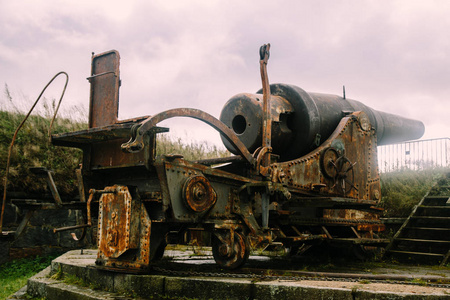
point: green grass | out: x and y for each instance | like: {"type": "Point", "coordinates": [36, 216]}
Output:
{"type": "Point", "coordinates": [191, 150]}
{"type": "Point", "coordinates": [402, 190]}
{"type": "Point", "coordinates": [14, 274]}
{"type": "Point", "coordinates": [32, 147]}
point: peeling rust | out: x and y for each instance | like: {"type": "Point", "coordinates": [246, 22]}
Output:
{"type": "Point", "coordinates": [105, 82]}
{"type": "Point", "coordinates": [305, 170]}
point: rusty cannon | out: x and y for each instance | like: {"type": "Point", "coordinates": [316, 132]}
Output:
{"type": "Point", "coordinates": [301, 121]}
{"type": "Point", "coordinates": [304, 173]}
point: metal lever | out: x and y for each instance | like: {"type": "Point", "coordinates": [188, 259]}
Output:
{"type": "Point", "coordinates": [266, 124]}
{"type": "Point", "coordinates": [266, 131]}
{"type": "Point", "coordinates": [92, 192]}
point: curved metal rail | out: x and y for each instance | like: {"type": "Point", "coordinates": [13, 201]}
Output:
{"type": "Point", "coordinates": [136, 143]}
{"type": "Point", "coordinates": [17, 131]}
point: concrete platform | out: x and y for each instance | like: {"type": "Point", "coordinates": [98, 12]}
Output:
{"type": "Point", "coordinates": [74, 276]}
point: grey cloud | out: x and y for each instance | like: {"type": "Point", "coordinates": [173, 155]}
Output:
{"type": "Point", "coordinates": [392, 56]}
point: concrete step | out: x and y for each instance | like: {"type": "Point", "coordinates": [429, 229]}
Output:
{"type": "Point", "coordinates": [42, 285]}
{"type": "Point", "coordinates": [436, 200]}
{"type": "Point", "coordinates": [74, 276]}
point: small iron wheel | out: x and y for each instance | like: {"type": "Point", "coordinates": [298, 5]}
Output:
{"type": "Point", "coordinates": [231, 256]}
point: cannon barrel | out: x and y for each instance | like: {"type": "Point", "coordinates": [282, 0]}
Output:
{"type": "Point", "coordinates": [301, 121]}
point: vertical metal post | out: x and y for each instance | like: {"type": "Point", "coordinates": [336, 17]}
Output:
{"type": "Point", "coordinates": [447, 160]}
{"type": "Point", "coordinates": [266, 127]}
{"type": "Point", "coordinates": [105, 83]}
{"type": "Point", "coordinates": [267, 124]}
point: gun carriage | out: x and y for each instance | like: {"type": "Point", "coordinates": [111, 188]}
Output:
{"type": "Point", "coordinates": [304, 171]}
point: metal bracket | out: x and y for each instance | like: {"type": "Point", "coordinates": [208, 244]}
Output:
{"type": "Point", "coordinates": [101, 74]}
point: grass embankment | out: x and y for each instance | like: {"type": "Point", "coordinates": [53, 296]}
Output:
{"type": "Point", "coordinates": [402, 190]}
{"type": "Point", "coordinates": [33, 149]}
{"type": "Point", "coordinates": [14, 274]}
{"type": "Point", "coordinates": [191, 150]}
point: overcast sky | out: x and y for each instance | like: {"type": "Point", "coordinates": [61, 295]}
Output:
{"type": "Point", "coordinates": [393, 56]}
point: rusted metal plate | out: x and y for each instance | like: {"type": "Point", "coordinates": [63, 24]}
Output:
{"type": "Point", "coordinates": [98, 134]}
{"type": "Point", "coordinates": [303, 238]}
{"type": "Point", "coordinates": [371, 227]}
{"type": "Point", "coordinates": [349, 214]}
{"type": "Point", "coordinates": [118, 222]}
{"type": "Point", "coordinates": [107, 155]}
{"type": "Point", "coordinates": [345, 165]}
{"type": "Point", "coordinates": [102, 146]}
{"type": "Point", "coordinates": [105, 82]}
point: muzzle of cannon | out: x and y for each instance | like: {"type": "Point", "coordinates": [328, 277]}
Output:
{"type": "Point", "coordinates": [301, 121]}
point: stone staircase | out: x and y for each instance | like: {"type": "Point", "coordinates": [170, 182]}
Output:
{"type": "Point", "coordinates": [425, 234]}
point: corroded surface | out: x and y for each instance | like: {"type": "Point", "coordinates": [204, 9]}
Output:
{"type": "Point", "coordinates": [307, 173]}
